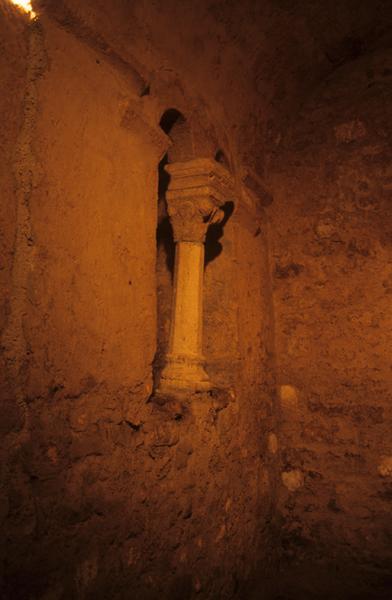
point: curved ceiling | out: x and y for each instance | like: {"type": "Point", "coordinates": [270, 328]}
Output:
{"type": "Point", "coordinates": [252, 62]}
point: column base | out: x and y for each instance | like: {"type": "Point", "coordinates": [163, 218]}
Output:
{"type": "Point", "coordinates": [183, 374]}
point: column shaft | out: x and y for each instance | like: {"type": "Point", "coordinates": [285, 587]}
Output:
{"type": "Point", "coordinates": [187, 313]}
{"type": "Point", "coordinates": [184, 362]}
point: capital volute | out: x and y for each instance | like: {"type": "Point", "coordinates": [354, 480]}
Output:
{"type": "Point", "coordinates": [197, 190]}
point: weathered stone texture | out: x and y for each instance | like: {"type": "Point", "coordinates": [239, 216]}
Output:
{"type": "Point", "coordinates": [283, 470]}
{"type": "Point", "coordinates": [104, 492]}
{"type": "Point", "coordinates": [13, 67]}
{"type": "Point", "coordinates": [331, 251]}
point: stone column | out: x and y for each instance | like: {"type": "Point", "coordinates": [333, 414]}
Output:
{"type": "Point", "coordinates": [196, 190]}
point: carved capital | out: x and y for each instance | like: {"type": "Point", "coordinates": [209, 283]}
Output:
{"type": "Point", "coordinates": [190, 219]}
{"type": "Point", "coordinates": [196, 190]}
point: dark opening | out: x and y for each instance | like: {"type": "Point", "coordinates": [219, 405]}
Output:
{"type": "Point", "coordinates": [169, 118]}
{"type": "Point", "coordinates": [164, 270]}
{"type": "Point", "coordinates": [164, 234]}
{"type": "Point", "coordinates": [177, 128]}
{"type": "Point", "coordinates": [220, 157]}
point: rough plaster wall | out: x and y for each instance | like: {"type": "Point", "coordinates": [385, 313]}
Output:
{"type": "Point", "coordinates": [331, 251]}
{"type": "Point", "coordinates": [105, 494]}
{"type": "Point", "coordinates": [96, 208]}
{"type": "Point", "coordinates": [238, 346]}
{"type": "Point", "coordinates": [13, 77]}
{"type": "Point", "coordinates": [13, 73]}
{"type": "Point", "coordinates": [80, 333]}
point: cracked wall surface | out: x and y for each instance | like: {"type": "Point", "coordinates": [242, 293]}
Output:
{"type": "Point", "coordinates": [331, 250]}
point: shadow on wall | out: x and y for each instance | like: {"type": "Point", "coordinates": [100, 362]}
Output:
{"type": "Point", "coordinates": [213, 247]}
{"type": "Point", "coordinates": [165, 238]}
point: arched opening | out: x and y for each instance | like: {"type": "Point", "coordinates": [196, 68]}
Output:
{"type": "Point", "coordinates": [177, 128]}
{"type": "Point", "coordinates": [169, 119]}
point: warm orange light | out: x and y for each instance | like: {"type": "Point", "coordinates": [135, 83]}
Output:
{"type": "Point", "coordinates": [25, 5]}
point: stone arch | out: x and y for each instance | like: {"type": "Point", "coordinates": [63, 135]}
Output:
{"type": "Point", "coordinates": [192, 135]}
{"type": "Point", "coordinates": [178, 129]}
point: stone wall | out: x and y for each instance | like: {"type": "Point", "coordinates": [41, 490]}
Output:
{"type": "Point", "coordinates": [13, 75]}
{"type": "Point", "coordinates": [331, 262]}
{"type": "Point", "coordinates": [104, 493]}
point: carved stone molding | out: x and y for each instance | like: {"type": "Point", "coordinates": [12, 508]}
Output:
{"type": "Point", "coordinates": [196, 190]}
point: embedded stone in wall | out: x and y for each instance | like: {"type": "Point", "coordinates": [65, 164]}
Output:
{"type": "Point", "coordinates": [350, 131]}
{"type": "Point", "coordinates": [385, 467]}
{"type": "Point", "coordinates": [273, 444]}
{"type": "Point", "coordinates": [293, 480]}
{"type": "Point", "coordinates": [288, 396]}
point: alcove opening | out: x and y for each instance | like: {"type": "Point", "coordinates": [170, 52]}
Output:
{"type": "Point", "coordinates": [175, 126]}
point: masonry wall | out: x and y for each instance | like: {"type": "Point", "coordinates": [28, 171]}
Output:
{"type": "Point", "coordinates": [80, 309]}
{"type": "Point", "coordinates": [13, 75]}
{"type": "Point", "coordinates": [106, 494]}
{"type": "Point", "coordinates": [331, 262]}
